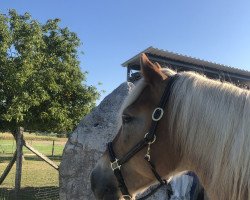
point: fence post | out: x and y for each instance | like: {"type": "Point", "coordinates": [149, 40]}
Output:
{"type": "Point", "coordinates": [19, 147]}
{"type": "Point", "coordinates": [53, 146]}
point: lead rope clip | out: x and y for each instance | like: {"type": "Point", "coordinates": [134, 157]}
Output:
{"type": "Point", "coordinates": [147, 155]}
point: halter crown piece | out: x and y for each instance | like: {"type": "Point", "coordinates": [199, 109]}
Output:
{"type": "Point", "coordinates": [148, 140]}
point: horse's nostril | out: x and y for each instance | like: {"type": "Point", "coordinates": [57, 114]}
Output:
{"type": "Point", "coordinates": [110, 189]}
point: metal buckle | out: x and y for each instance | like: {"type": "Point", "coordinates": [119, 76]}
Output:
{"type": "Point", "coordinates": [161, 114]}
{"type": "Point", "coordinates": [126, 196]}
{"type": "Point", "coordinates": [114, 165]}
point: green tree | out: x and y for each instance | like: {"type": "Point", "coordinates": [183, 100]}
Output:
{"type": "Point", "coordinates": [41, 85]}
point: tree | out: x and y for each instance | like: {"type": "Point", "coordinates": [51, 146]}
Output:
{"type": "Point", "coordinates": [41, 84]}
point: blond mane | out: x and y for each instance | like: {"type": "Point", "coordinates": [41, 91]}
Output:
{"type": "Point", "coordinates": [210, 120]}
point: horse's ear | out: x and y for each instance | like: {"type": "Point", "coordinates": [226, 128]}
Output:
{"type": "Point", "coordinates": [151, 72]}
{"type": "Point", "coordinates": [158, 65]}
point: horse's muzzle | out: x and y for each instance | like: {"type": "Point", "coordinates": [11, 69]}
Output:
{"type": "Point", "coordinates": [104, 185]}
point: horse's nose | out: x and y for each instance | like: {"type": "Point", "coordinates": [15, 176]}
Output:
{"type": "Point", "coordinates": [103, 186]}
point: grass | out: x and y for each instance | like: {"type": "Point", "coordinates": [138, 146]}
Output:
{"type": "Point", "coordinates": [30, 136]}
{"type": "Point", "coordinates": [35, 172]}
{"type": "Point", "coordinates": [8, 145]}
{"type": "Point", "coordinates": [31, 193]}
{"type": "Point", "coordinates": [39, 181]}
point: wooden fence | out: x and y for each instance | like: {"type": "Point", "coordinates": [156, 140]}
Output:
{"type": "Point", "coordinates": [18, 158]}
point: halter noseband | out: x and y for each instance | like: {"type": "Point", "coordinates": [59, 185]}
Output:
{"type": "Point", "coordinates": [148, 140]}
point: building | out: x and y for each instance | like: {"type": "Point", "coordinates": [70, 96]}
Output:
{"type": "Point", "coordinates": [180, 62]}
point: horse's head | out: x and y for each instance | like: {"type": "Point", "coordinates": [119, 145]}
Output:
{"type": "Point", "coordinates": [136, 122]}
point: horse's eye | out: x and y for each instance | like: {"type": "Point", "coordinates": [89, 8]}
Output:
{"type": "Point", "coordinates": [126, 119]}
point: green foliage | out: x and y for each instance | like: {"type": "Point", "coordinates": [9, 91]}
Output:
{"type": "Point", "coordinates": [41, 85]}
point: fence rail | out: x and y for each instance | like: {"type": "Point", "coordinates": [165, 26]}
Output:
{"type": "Point", "coordinates": [20, 169]}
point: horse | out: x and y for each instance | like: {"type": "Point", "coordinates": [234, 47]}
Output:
{"type": "Point", "coordinates": [203, 127]}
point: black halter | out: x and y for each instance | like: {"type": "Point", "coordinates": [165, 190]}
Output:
{"type": "Point", "coordinates": [148, 139]}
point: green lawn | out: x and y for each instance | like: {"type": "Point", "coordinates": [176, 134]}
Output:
{"type": "Point", "coordinates": [39, 181]}
{"type": "Point", "coordinates": [45, 147]}
{"type": "Point", "coordinates": [31, 136]}
{"type": "Point", "coordinates": [41, 143]}
{"type": "Point", "coordinates": [35, 173]}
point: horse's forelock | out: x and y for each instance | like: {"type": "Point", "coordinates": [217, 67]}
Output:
{"type": "Point", "coordinates": [133, 94]}
{"type": "Point", "coordinates": [139, 86]}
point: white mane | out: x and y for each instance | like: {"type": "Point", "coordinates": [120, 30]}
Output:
{"type": "Point", "coordinates": [211, 122]}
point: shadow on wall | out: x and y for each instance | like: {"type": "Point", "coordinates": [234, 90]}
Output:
{"type": "Point", "coordinates": [31, 193]}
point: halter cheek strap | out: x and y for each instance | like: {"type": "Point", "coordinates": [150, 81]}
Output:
{"type": "Point", "coordinates": [116, 167]}
{"type": "Point", "coordinates": [148, 140]}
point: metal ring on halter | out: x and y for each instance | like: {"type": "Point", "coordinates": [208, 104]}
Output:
{"type": "Point", "coordinates": [152, 140]}
{"type": "Point", "coordinates": [126, 196]}
{"type": "Point", "coordinates": [161, 114]}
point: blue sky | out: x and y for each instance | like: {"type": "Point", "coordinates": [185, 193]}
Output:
{"type": "Point", "coordinates": [113, 31]}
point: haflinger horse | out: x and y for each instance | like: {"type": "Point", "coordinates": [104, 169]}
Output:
{"type": "Point", "coordinates": [198, 124]}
